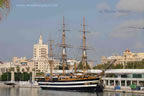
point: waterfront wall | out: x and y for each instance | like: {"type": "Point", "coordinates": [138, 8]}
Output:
{"type": "Point", "coordinates": [21, 84]}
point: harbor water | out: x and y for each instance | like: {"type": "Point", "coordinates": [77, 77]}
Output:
{"type": "Point", "coordinates": [39, 92]}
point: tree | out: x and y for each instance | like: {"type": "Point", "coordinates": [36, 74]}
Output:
{"type": "Point", "coordinates": [25, 76]}
{"type": "Point", "coordinates": [40, 74]}
{"type": "Point", "coordinates": [27, 68]}
{"type": "Point", "coordinates": [4, 8]}
{"type": "Point", "coordinates": [11, 69]}
{"type": "Point", "coordinates": [33, 69]}
{"type": "Point", "coordinates": [18, 76]}
{"type": "Point", "coordinates": [6, 76]}
{"type": "Point", "coordinates": [23, 70]}
{"type": "Point", "coordinates": [18, 68]}
{"type": "Point", "coordinates": [128, 65]}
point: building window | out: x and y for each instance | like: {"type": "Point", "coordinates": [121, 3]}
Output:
{"type": "Point", "coordinates": [137, 76]}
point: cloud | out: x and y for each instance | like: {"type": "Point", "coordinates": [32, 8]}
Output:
{"type": "Point", "coordinates": [103, 6]}
{"type": "Point", "coordinates": [122, 7]}
{"type": "Point", "coordinates": [131, 5]}
{"type": "Point", "coordinates": [94, 34]}
{"type": "Point", "coordinates": [128, 28]}
{"type": "Point", "coordinates": [138, 45]}
{"type": "Point", "coordinates": [106, 8]}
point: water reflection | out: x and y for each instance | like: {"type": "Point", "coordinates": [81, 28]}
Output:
{"type": "Point", "coordinates": [39, 92]}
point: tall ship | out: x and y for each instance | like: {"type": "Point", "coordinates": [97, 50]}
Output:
{"type": "Point", "coordinates": [76, 81]}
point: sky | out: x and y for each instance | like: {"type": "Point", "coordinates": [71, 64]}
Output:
{"type": "Point", "coordinates": [114, 26]}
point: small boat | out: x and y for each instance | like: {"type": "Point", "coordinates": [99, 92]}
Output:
{"type": "Point", "coordinates": [10, 83]}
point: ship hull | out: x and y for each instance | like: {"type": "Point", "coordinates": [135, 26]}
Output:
{"type": "Point", "coordinates": [85, 86]}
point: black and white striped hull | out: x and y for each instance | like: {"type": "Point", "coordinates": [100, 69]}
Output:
{"type": "Point", "coordinates": [86, 85]}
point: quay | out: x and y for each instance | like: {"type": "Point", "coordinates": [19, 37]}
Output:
{"type": "Point", "coordinates": [124, 91]}
{"type": "Point", "coordinates": [21, 84]}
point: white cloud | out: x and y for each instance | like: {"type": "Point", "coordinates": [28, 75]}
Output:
{"type": "Point", "coordinates": [133, 23]}
{"type": "Point", "coordinates": [128, 28]}
{"type": "Point", "coordinates": [106, 8]}
{"type": "Point", "coordinates": [103, 6]}
{"type": "Point", "coordinates": [138, 45]}
{"type": "Point", "coordinates": [122, 7]}
{"type": "Point", "coordinates": [131, 5]}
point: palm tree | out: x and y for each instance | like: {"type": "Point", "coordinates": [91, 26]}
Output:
{"type": "Point", "coordinates": [27, 68]}
{"type": "Point", "coordinates": [4, 3]}
{"type": "Point", "coordinates": [4, 8]}
{"type": "Point", "coordinates": [11, 69]}
{"type": "Point", "coordinates": [18, 68]}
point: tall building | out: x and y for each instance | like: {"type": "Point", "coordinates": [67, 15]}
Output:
{"type": "Point", "coordinates": [127, 56]}
{"type": "Point", "coordinates": [40, 56]}
{"type": "Point", "coordinates": [40, 50]}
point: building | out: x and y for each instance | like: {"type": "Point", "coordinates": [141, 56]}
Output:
{"type": "Point", "coordinates": [122, 77]}
{"type": "Point", "coordinates": [40, 50]}
{"type": "Point", "coordinates": [5, 66]}
{"type": "Point", "coordinates": [127, 56]}
{"type": "Point", "coordinates": [40, 56]}
{"type": "Point", "coordinates": [71, 63]}
{"type": "Point", "coordinates": [21, 64]}
{"type": "Point", "coordinates": [21, 60]}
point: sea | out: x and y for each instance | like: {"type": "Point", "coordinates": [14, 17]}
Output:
{"type": "Point", "coordinates": [40, 92]}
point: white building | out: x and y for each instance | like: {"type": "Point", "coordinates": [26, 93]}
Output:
{"type": "Point", "coordinates": [40, 50]}
{"type": "Point", "coordinates": [22, 64]}
{"type": "Point", "coordinates": [122, 77]}
{"type": "Point", "coordinates": [127, 56]}
{"type": "Point", "coordinates": [40, 56]}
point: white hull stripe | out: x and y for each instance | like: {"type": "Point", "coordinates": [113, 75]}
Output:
{"type": "Point", "coordinates": [74, 86]}
{"type": "Point", "coordinates": [75, 82]}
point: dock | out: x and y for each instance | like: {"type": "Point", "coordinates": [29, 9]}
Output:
{"type": "Point", "coordinates": [124, 91]}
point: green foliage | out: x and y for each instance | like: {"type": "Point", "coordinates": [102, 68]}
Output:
{"type": "Point", "coordinates": [18, 76]}
{"type": "Point", "coordinates": [33, 69]}
{"type": "Point", "coordinates": [27, 68]}
{"type": "Point", "coordinates": [40, 74]}
{"type": "Point", "coordinates": [25, 76]}
{"type": "Point", "coordinates": [11, 69]}
{"type": "Point", "coordinates": [128, 65]}
{"type": "Point", "coordinates": [18, 69]}
{"type": "Point", "coordinates": [135, 65]}
{"type": "Point", "coordinates": [6, 76]}
{"type": "Point", "coordinates": [1, 3]}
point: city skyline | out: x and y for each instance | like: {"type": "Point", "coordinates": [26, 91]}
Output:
{"type": "Point", "coordinates": [115, 25]}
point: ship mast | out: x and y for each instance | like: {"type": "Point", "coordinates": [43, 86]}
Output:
{"type": "Point", "coordinates": [84, 52]}
{"type": "Point", "coordinates": [64, 56]}
{"type": "Point", "coordinates": [51, 57]}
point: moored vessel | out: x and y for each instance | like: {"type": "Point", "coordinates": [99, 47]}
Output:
{"type": "Point", "coordinates": [77, 81]}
